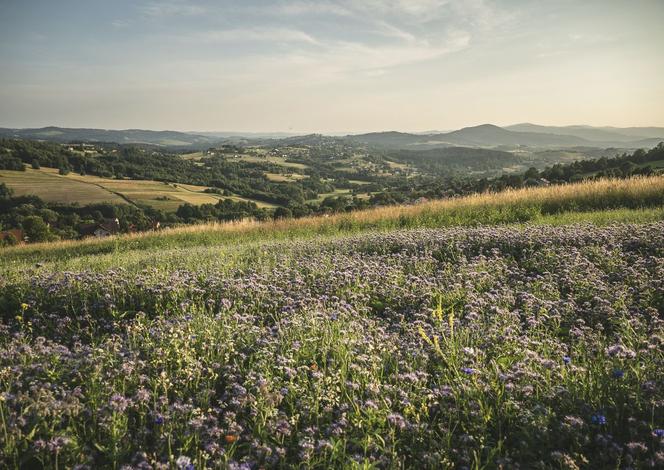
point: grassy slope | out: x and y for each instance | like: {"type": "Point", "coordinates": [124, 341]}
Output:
{"type": "Point", "coordinates": [399, 334]}
{"type": "Point", "coordinates": [74, 188]}
{"type": "Point", "coordinates": [51, 187]}
{"type": "Point", "coordinates": [599, 202]}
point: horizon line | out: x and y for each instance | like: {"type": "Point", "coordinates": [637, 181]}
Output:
{"type": "Point", "coordinates": [328, 132]}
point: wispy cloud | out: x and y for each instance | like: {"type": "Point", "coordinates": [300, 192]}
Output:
{"type": "Point", "coordinates": [120, 23]}
{"type": "Point", "coordinates": [245, 35]}
{"type": "Point", "coordinates": [418, 8]}
{"type": "Point", "coordinates": [175, 8]}
{"type": "Point", "coordinates": [358, 57]}
{"type": "Point", "coordinates": [388, 30]}
{"type": "Point", "coordinates": [299, 7]}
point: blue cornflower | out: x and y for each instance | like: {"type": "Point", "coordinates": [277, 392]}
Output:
{"type": "Point", "coordinates": [618, 373]}
{"type": "Point", "coordinates": [659, 432]}
{"type": "Point", "coordinates": [567, 359]}
{"type": "Point", "coordinates": [598, 419]}
{"type": "Point", "coordinates": [468, 370]}
{"type": "Point", "coordinates": [189, 467]}
{"type": "Point", "coordinates": [159, 420]}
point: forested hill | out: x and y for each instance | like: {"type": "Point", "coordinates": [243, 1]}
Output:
{"type": "Point", "coordinates": [127, 136]}
{"type": "Point", "coordinates": [485, 135]}
{"type": "Point", "coordinates": [451, 159]}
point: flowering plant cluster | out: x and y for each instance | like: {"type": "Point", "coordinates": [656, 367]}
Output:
{"type": "Point", "coordinates": [524, 348]}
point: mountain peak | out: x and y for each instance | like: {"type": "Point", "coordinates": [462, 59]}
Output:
{"type": "Point", "coordinates": [487, 126]}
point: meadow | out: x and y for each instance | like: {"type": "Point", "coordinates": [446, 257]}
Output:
{"type": "Point", "coordinates": [601, 202]}
{"type": "Point", "coordinates": [513, 330]}
{"type": "Point", "coordinates": [50, 186]}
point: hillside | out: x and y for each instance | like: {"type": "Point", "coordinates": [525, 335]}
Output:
{"type": "Point", "coordinates": [464, 160]}
{"type": "Point", "coordinates": [390, 139]}
{"type": "Point", "coordinates": [528, 135]}
{"type": "Point", "coordinates": [491, 135]}
{"type": "Point", "coordinates": [127, 136]}
{"type": "Point", "coordinates": [48, 185]}
{"type": "Point", "coordinates": [595, 134]}
{"type": "Point", "coordinates": [264, 342]}
{"type": "Point", "coordinates": [231, 183]}
{"type": "Point", "coordinates": [639, 199]}
{"type": "Point", "coordinates": [485, 135]}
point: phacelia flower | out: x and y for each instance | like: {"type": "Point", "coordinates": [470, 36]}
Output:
{"type": "Point", "coordinates": [598, 419]}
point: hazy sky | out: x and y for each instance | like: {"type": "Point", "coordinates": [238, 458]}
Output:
{"type": "Point", "coordinates": [330, 65]}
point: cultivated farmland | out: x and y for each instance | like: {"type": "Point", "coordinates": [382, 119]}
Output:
{"type": "Point", "coordinates": [87, 189]}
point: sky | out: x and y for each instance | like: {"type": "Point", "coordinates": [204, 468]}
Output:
{"type": "Point", "coordinates": [330, 65]}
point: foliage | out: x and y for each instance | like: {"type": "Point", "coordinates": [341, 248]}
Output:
{"type": "Point", "coordinates": [602, 201]}
{"type": "Point", "coordinates": [225, 174]}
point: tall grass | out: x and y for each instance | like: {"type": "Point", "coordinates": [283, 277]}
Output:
{"type": "Point", "coordinates": [640, 195]}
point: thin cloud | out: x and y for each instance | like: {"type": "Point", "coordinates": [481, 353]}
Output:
{"type": "Point", "coordinates": [120, 23]}
{"type": "Point", "coordinates": [164, 9]}
{"type": "Point", "coordinates": [362, 57]}
{"type": "Point", "coordinates": [388, 30]}
{"type": "Point", "coordinates": [242, 35]}
{"type": "Point", "coordinates": [295, 8]}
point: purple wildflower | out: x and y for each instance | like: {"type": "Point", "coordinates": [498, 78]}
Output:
{"type": "Point", "coordinates": [598, 418]}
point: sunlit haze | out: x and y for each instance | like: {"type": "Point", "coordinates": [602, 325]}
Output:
{"type": "Point", "coordinates": [330, 66]}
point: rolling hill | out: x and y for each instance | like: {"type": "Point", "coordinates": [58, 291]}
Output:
{"type": "Point", "coordinates": [465, 159]}
{"type": "Point", "coordinates": [485, 135]}
{"type": "Point", "coordinates": [631, 135]}
{"type": "Point", "coordinates": [490, 135]}
{"type": "Point", "coordinates": [530, 135]}
{"type": "Point", "coordinates": [127, 136]}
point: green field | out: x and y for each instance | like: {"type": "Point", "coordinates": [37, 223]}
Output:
{"type": "Point", "coordinates": [602, 202]}
{"type": "Point", "coordinates": [193, 156]}
{"type": "Point", "coordinates": [51, 187]}
{"type": "Point", "coordinates": [654, 164]}
{"type": "Point", "coordinates": [281, 161]}
{"type": "Point", "coordinates": [519, 327]}
{"type": "Point", "coordinates": [284, 178]}
{"type": "Point", "coordinates": [74, 188]}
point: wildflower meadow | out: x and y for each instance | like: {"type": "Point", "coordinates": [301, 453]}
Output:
{"type": "Point", "coordinates": [524, 347]}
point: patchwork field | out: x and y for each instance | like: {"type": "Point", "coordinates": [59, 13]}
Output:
{"type": "Point", "coordinates": [281, 161]}
{"type": "Point", "coordinates": [74, 188]}
{"type": "Point", "coordinates": [52, 187]}
{"type": "Point", "coordinates": [284, 178]}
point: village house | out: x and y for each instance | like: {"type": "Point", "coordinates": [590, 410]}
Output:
{"type": "Point", "coordinates": [106, 228]}
{"type": "Point", "coordinates": [537, 182]}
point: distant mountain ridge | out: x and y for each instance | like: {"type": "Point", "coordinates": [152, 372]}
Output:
{"type": "Point", "coordinates": [126, 136]}
{"type": "Point", "coordinates": [484, 136]}
{"type": "Point", "coordinates": [531, 135]}
{"type": "Point", "coordinates": [488, 134]}
{"type": "Point", "coordinates": [600, 134]}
